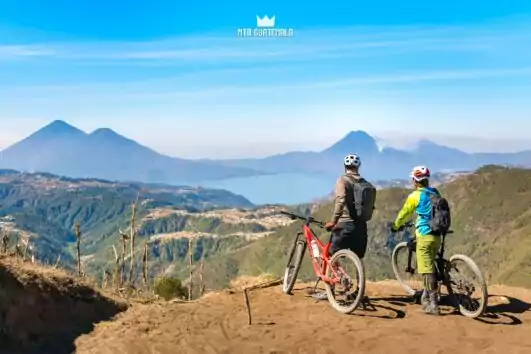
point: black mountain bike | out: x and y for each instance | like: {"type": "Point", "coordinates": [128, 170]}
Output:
{"type": "Point", "coordinates": [450, 273]}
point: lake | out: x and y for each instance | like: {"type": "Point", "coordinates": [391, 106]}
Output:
{"type": "Point", "coordinates": [282, 188]}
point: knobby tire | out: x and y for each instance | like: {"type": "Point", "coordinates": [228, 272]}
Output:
{"type": "Point", "coordinates": [394, 260]}
{"type": "Point", "coordinates": [361, 282]}
{"type": "Point", "coordinates": [482, 284]}
{"type": "Point", "coordinates": [294, 262]}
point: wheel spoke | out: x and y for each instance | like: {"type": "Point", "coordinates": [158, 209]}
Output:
{"type": "Point", "coordinates": [468, 288]}
{"type": "Point", "coordinates": [406, 273]}
{"type": "Point", "coordinates": [349, 281]}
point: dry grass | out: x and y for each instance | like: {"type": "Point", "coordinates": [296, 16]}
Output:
{"type": "Point", "coordinates": [176, 235]}
{"type": "Point", "coordinates": [268, 217]}
{"type": "Point", "coordinates": [246, 281]}
{"type": "Point", "coordinates": [26, 272]}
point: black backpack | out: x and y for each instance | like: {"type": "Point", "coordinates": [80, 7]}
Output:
{"type": "Point", "coordinates": [440, 214]}
{"type": "Point", "coordinates": [364, 194]}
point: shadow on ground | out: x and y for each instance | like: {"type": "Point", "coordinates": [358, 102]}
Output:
{"type": "Point", "coordinates": [374, 307]}
{"type": "Point", "coordinates": [45, 312]}
{"type": "Point", "coordinates": [377, 310]}
{"type": "Point", "coordinates": [504, 311]}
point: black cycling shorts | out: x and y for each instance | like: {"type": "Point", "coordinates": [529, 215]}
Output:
{"type": "Point", "coordinates": [352, 236]}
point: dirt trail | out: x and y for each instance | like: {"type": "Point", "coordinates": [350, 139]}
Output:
{"type": "Point", "coordinates": [299, 324]}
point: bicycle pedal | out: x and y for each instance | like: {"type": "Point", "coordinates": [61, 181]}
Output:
{"type": "Point", "coordinates": [319, 296]}
{"type": "Point", "coordinates": [366, 303]}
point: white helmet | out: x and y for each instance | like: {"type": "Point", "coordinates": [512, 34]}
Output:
{"type": "Point", "coordinates": [352, 160]}
{"type": "Point", "coordinates": [419, 173]}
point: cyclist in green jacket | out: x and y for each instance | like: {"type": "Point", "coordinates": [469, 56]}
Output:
{"type": "Point", "coordinates": [427, 242]}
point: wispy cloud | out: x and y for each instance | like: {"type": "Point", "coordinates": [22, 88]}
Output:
{"type": "Point", "coordinates": [305, 45]}
{"type": "Point", "coordinates": [17, 51]}
{"type": "Point", "coordinates": [195, 86]}
{"type": "Point", "coordinates": [424, 76]}
{"type": "Point", "coordinates": [312, 61]}
{"type": "Point", "coordinates": [354, 82]}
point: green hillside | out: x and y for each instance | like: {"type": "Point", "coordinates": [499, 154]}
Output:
{"type": "Point", "coordinates": [216, 234]}
{"type": "Point", "coordinates": [491, 218]}
{"type": "Point", "coordinates": [45, 208]}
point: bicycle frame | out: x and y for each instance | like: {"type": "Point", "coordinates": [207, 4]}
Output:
{"type": "Point", "coordinates": [320, 267]}
{"type": "Point", "coordinates": [459, 288]}
{"type": "Point", "coordinates": [440, 262]}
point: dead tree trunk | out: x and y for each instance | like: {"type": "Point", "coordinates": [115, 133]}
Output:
{"type": "Point", "coordinates": [25, 252]}
{"type": "Point", "coordinates": [78, 250]}
{"type": "Point", "coordinates": [132, 236]}
{"type": "Point", "coordinates": [116, 274]}
{"type": "Point", "coordinates": [104, 279]}
{"type": "Point", "coordinates": [202, 278]}
{"type": "Point", "coordinates": [26, 247]}
{"type": "Point", "coordinates": [57, 262]}
{"type": "Point", "coordinates": [18, 252]}
{"type": "Point", "coordinates": [144, 265]}
{"type": "Point", "coordinates": [122, 269]}
{"type": "Point", "coordinates": [5, 241]}
{"type": "Point", "coordinates": [190, 255]}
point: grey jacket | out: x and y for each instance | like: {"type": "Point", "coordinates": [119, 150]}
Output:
{"type": "Point", "coordinates": [344, 208]}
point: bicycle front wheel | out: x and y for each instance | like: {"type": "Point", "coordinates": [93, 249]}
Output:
{"type": "Point", "coordinates": [294, 264]}
{"type": "Point", "coordinates": [468, 292]}
{"type": "Point", "coordinates": [345, 267]}
{"type": "Point", "coordinates": [410, 279]}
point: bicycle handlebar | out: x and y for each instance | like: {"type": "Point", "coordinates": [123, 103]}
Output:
{"type": "Point", "coordinates": [408, 224]}
{"type": "Point", "coordinates": [412, 224]}
{"type": "Point", "coordinates": [310, 219]}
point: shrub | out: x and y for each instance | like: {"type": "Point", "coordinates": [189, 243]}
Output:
{"type": "Point", "coordinates": [169, 288]}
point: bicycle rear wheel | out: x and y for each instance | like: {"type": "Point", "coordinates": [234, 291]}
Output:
{"type": "Point", "coordinates": [461, 288]}
{"type": "Point", "coordinates": [346, 282]}
{"type": "Point", "coordinates": [294, 264]}
{"type": "Point", "coordinates": [410, 281]}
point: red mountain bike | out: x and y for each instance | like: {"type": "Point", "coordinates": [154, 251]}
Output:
{"type": "Point", "coordinates": [331, 270]}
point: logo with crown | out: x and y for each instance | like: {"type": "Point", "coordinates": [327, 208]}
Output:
{"type": "Point", "coordinates": [265, 27]}
{"type": "Point", "coordinates": [265, 21]}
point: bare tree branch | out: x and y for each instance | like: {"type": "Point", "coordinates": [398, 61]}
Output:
{"type": "Point", "coordinates": [132, 235]}
{"type": "Point", "coordinates": [57, 262]}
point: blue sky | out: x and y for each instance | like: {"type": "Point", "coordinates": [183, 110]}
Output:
{"type": "Point", "coordinates": [176, 77]}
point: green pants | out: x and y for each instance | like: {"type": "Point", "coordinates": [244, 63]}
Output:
{"type": "Point", "coordinates": [427, 247]}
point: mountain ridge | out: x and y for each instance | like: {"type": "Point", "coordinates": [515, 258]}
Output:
{"type": "Point", "coordinates": [63, 149]}
{"type": "Point", "coordinates": [380, 162]}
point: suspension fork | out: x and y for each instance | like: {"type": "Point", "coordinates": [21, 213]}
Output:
{"type": "Point", "coordinates": [409, 269]}
{"type": "Point", "coordinates": [440, 263]}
